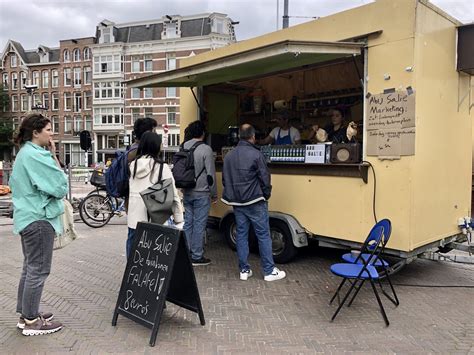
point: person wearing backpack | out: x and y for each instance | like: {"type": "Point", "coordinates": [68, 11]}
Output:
{"type": "Point", "coordinates": [145, 172]}
{"type": "Point", "coordinates": [200, 192]}
{"type": "Point", "coordinates": [141, 126]}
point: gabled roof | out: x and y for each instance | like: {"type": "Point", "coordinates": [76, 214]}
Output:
{"type": "Point", "coordinates": [30, 56]}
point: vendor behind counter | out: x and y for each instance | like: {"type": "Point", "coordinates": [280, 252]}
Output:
{"type": "Point", "coordinates": [283, 133]}
{"type": "Point", "coordinates": [337, 131]}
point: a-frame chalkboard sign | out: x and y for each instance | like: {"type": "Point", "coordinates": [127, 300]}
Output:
{"type": "Point", "coordinates": [158, 269]}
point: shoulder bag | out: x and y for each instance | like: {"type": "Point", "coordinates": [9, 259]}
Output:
{"type": "Point", "coordinates": [159, 198]}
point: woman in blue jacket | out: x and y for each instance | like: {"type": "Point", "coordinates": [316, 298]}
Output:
{"type": "Point", "coordinates": [38, 187]}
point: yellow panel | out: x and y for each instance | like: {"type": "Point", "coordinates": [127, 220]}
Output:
{"type": "Point", "coordinates": [442, 173]}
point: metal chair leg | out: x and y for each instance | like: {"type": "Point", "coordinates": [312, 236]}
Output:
{"type": "Point", "coordinates": [337, 291]}
{"type": "Point", "coordinates": [382, 310]}
{"type": "Point", "coordinates": [395, 301]}
{"type": "Point", "coordinates": [343, 301]}
{"type": "Point", "coordinates": [356, 292]}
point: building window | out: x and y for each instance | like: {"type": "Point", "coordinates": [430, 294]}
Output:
{"type": "Point", "coordinates": [88, 124]}
{"type": "Point", "coordinates": [135, 114]}
{"type": "Point", "coordinates": [135, 93]}
{"type": "Point", "coordinates": [77, 101]}
{"type": "Point", "coordinates": [149, 112]}
{"type": "Point", "coordinates": [135, 63]}
{"type": "Point", "coordinates": [23, 77]}
{"type": "Point", "coordinates": [108, 116]}
{"type": "Point", "coordinates": [76, 55]}
{"type": "Point", "coordinates": [148, 93]}
{"type": "Point", "coordinates": [14, 81]}
{"type": "Point", "coordinates": [36, 100]}
{"type": "Point", "coordinates": [55, 123]}
{"type": "Point", "coordinates": [55, 78]}
{"type": "Point", "coordinates": [67, 125]}
{"type": "Point", "coordinates": [87, 100]}
{"type": "Point", "coordinates": [170, 62]}
{"type": "Point", "coordinates": [24, 103]}
{"type": "Point", "coordinates": [66, 55]}
{"type": "Point", "coordinates": [87, 53]}
{"type": "Point", "coordinates": [87, 75]}
{"type": "Point", "coordinates": [14, 103]}
{"type": "Point", "coordinates": [173, 140]}
{"type": "Point", "coordinates": [77, 125]}
{"type": "Point", "coordinates": [171, 29]}
{"type": "Point", "coordinates": [148, 63]}
{"type": "Point", "coordinates": [171, 115]}
{"type": "Point", "coordinates": [107, 64]}
{"type": "Point", "coordinates": [67, 101]}
{"type": "Point", "coordinates": [171, 92]}
{"type": "Point", "coordinates": [108, 90]}
{"type": "Point", "coordinates": [13, 61]}
{"type": "Point", "coordinates": [67, 77]}
{"type": "Point", "coordinates": [77, 77]}
{"type": "Point", "coordinates": [106, 35]}
{"type": "Point", "coordinates": [55, 101]}
{"type": "Point", "coordinates": [5, 80]}
{"type": "Point", "coordinates": [46, 100]}
{"type": "Point", "coordinates": [36, 76]}
{"type": "Point", "coordinates": [45, 78]}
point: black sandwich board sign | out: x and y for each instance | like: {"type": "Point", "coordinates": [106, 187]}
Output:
{"type": "Point", "coordinates": [158, 269]}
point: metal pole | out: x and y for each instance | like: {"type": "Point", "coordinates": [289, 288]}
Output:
{"type": "Point", "coordinates": [278, 14]}
{"type": "Point", "coordinates": [285, 14]}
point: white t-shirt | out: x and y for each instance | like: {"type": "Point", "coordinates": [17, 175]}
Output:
{"type": "Point", "coordinates": [294, 134]}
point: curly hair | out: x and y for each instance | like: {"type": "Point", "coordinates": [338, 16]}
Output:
{"type": "Point", "coordinates": [32, 122]}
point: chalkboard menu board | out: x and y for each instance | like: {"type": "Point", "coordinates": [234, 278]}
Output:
{"type": "Point", "coordinates": [158, 269]}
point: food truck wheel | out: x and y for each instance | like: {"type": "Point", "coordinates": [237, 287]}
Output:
{"type": "Point", "coordinates": [282, 242]}
{"type": "Point", "coordinates": [231, 235]}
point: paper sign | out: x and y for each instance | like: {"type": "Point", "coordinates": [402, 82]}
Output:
{"type": "Point", "coordinates": [390, 111]}
{"type": "Point", "coordinates": [391, 142]}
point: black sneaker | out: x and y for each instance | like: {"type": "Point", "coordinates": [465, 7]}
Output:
{"type": "Point", "coordinates": [202, 261]}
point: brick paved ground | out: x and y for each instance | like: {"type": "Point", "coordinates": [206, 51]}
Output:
{"type": "Point", "coordinates": [289, 316]}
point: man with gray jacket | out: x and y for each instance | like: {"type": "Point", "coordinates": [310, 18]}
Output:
{"type": "Point", "coordinates": [197, 200]}
{"type": "Point", "coordinates": [247, 188]}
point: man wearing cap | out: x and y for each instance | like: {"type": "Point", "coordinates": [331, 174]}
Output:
{"type": "Point", "coordinates": [283, 134]}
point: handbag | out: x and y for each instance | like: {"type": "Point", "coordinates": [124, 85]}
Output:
{"type": "Point", "coordinates": [159, 198]}
{"type": "Point", "coordinates": [69, 232]}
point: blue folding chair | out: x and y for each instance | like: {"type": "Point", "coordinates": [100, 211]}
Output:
{"type": "Point", "coordinates": [378, 263]}
{"type": "Point", "coordinates": [360, 272]}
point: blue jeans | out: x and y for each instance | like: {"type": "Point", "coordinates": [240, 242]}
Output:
{"type": "Point", "coordinates": [196, 210]}
{"type": "Point", "coordinates": [37, 243]}
{"type": "Point", "coordinates": [131, 235]}
{"type": "Point", "coordinates": [257, 215]}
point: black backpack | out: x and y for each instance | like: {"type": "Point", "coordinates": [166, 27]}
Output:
{"type": "Point", "coordinates": [183, 170]}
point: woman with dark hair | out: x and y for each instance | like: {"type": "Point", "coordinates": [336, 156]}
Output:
{"type": "Point", "coordinates": [337, 131]}
{"type": "Point", "coordinates": [38, 187]}
{"type": "Point", "coordinates": [144, 172]}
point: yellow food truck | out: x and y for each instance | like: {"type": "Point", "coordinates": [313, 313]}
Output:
{"type": "Point", "coordinates": [399, 71]}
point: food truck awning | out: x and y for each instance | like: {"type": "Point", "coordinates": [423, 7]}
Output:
{"type": "Point", "coordinates": [272, 58]}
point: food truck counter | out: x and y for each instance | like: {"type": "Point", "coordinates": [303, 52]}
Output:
{"type": "Point", "coordinates": [311, 159]}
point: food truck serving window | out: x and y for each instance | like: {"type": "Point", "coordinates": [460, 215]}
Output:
{"type": "Point", "coordinates": [310, 82]}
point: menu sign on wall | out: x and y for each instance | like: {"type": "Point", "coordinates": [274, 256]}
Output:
{"type": "Point", "coordinates": [391, 124]}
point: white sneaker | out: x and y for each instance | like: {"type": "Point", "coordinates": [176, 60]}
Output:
{"type": "Point", "coordinates": [275, 275]}
{"type": "Point", "coordinates": [245, 275]}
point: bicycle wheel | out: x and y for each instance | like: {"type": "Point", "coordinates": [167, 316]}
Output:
{"type": "Point", "coordinates": [96, 210]}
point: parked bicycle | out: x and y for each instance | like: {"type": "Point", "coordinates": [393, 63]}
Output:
{"type": "Point", "coordinates": [98, 207]}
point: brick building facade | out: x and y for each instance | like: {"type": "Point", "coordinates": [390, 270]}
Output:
{"type": "Point", "coordinates": [80, 85]}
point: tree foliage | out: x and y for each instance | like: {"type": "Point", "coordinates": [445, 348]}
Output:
{"type": "Point", "coordinates": [6, 124]}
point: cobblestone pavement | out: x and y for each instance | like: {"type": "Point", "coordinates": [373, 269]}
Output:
{"type": "Point", "coordinates": [288, 316]}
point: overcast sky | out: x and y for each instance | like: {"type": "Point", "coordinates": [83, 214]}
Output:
{"type": "Point", "coordinates": [34, 22]}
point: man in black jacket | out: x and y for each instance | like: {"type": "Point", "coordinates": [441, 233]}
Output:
{"type": "Point", "coordinates": [247, 188]}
